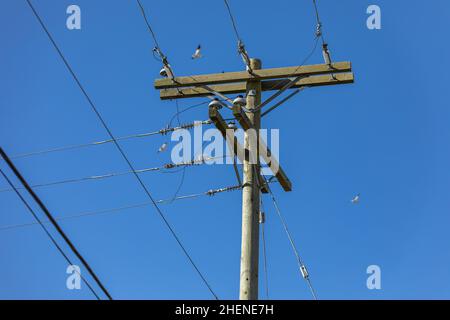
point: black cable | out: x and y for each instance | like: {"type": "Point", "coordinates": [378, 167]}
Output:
{"type": "Point", "coordinates": [122, 208]}
{"type": "Point", "coordinates": [319, 23]}
{"type": "Point", "coordinates": [52, 220]}
{"type": "Point", "coordinates": [233, 22]}
{"type": "Point", "coordinates": [157, 52]}
{"type": "Point", "coordinates": [58, 247]}
{"type": "Point", "coordinates": [147, 23]}
{"type": "Point", "coordinates": [263, 237]}
{"type": "Point", "coordinates": [163, 131]}
{"type": "Point", "coordinates": [46, 231]}
{"type": "Point", "coordinates": [301, 265]}
{"type": "Point", "coordinates": [119, 148]}
{"type": "Point", "coordinates": [183, 174]}
{"type": "Point", "coordinates": [305, 60]}
{"type": "Point", "coordinates": [184, 110]}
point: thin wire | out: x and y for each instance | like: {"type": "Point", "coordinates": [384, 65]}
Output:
{"type": "Point", "coordinates": [53, 221]}
{"type": "Point", "coordinates": [288, 85]}
{"type": "Point", "coordinates": [214, 94]}
{"type": "Point", "coordinates": [169, 166]}
{"type": "Point", "coordinates": [305, 60]}
{"type": "Point", "coordinates": [183, 174]}
{"type": "Point", "coordinates": [233, 22]}
{"type": "Point", "coordinates": [282, 101]}
{"type": "Point", "coordinates": [319, 32]}
{"type": "Point", "coordinates": [186, 109]}
{"type": "Point", "coordinates": [241, 46]}
{"type": "Point", "coordinates": [157, 52]}
{"type": "Point", "coordinates": [266, 276]}
{"type": "Point", "coordinates": [77, 180]}
{"type": "Point", "coordinates": [122, 152]}
{"type": "Point", "coordinates": [123, 208]}
{"type": "Point", "coordinates": [285, 87]}
{"type": "Point", "coordinates": [261, 213]}
{"type": "Point", "coordinates": [148, 23]}
{"type": "Point", "coordinates": [58, 247]}
{"type": "Point", "coordinates": [236, 171]}
{"type": "Point", "coordinates": [97, 143]}
{"type": "Point", "coordinates": [78, 215]}
{"type": "Point", "coordinates": [291, 240]}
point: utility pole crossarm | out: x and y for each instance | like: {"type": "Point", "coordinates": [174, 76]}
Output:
{"type": "Point", "coordinates": [268, 85]}
{"type": "Point", "coordinates": [243, 76]}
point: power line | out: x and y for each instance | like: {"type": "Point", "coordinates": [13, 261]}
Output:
{"type": "Point", "coordinates": [121, 151]}
{"type": "Point", "coordinates": [77, 180]}
{"type": "Point", "coordinates": [262, 222]}
{"type": "Point", "coordinates": [305, 60]}
{"type": "Point", "coordinates": [163, 131]}
{"type": "Point", "coordinates": [291, 82]}
{"type": "Point", "coordinates": [58, 247]}
{"type": "Point", "coordinates": [52, 220]}
{"type": "Point", "coordinates": [186, 109]}
{"type": "Point", "coordinates": [319, 32]}
{"type": "Point", "coordinates": [157, 49]}
{"type": "Point", "coordinates": [241, 47]}
{"type": "Point", "coordinates": [233, 22]}
{"type": "Point", "coordinates": [301, 265]}
{"type": "Point", "coordinates": [183, 174]}
{"type": "Point", "coordinates": [167, 166]}
{"type": "Point", "coordinates": [211, 192]}
{"type": "Point", "coordinates": [148, 24]}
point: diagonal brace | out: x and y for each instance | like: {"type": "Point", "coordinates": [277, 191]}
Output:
{"type": "Point", "coordinates": [270, 160]}
{"type": "Point", "coordinates": [238, 150]}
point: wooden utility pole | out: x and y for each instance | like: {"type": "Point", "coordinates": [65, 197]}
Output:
{"type": "Point", "coordinates": [252, 84]}
{"type": "Point", "coordinates": [250, 197]}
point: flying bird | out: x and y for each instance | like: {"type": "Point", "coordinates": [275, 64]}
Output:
{"type": "Point", "coordinates": [162, 148]}
{"type": "Point", "coordinates": [197, 54]}
{"type": "Point", "coordinates": [355, 200]}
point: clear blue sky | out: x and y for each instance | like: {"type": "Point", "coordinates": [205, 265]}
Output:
{"type": "Point", "coordinates": [386, 137]}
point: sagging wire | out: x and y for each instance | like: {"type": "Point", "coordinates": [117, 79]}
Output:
{"type": "Point", "coordinates": [183, 174]}
{"type": "Point", "coordinates": [184, 110]}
